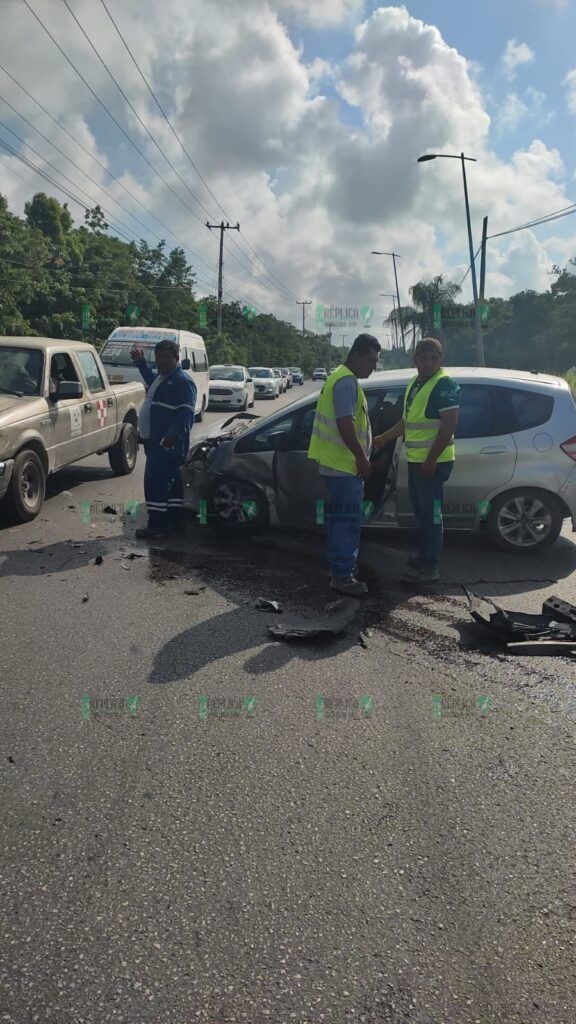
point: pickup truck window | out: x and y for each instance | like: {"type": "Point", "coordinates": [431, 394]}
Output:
{"type": "Point", "coordinates": [20, 370]}
{"type": "Point", "coordinates": [61, 368]}
{"type": "Point", "coordinates": [90, 369]}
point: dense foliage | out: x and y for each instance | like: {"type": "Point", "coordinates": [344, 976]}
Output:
{"type": "Point", "coordinates": [50, 269]}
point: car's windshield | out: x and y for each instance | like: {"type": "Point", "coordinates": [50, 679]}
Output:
{"type": "Point", "coordinates": [117, 353]}
{"type": "Point", "coordinates": [260, 371]}
{"type": "Point", "coordinates": [20, 370]}
{"type": "Point", "coordinates": [226, 373]}
{"type": "Point", "coordinates": [295, 369]}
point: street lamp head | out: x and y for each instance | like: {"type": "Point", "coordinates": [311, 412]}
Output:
{"type": "Point", "coordinates": [427, 156]}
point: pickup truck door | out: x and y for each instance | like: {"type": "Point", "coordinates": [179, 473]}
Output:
{"type": "Point", "coordinates": [99, 406]}
{"type": "Point", "coordinates": [64, 424]}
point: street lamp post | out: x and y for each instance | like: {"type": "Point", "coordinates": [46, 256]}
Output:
{"type": "Point", "coordinates": [395, 257]}
{"type": "Point", "coordinates": [462, 158]}
{"type": "Point", "coordinates": [329, 326]}
{"type": "Point", "coordinates": [390, 295]}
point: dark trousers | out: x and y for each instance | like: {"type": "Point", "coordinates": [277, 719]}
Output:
{"type": "Point", "coordinates": [163, 490]}
{"type": "Point", "coordinates": [427, 496]}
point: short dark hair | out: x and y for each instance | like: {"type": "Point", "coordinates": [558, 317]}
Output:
{"type": "Point", "coordinates": [363, 343]}
{"type": "Point", "coordinates": [426, 343]}
{"type": "Point", "coordinates": [168, 346]}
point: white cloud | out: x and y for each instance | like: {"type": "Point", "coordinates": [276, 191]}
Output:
{"type": "Point", "coordinates": [514, 110]}
{"type": "Point", "coordinates": [319, 12]}
{"type": "Point", "coordinates": [514, 56]}
{"type": "Point", "coordinates": [570, 83]}
{"type": "Point", "coordinates": [315, 182]}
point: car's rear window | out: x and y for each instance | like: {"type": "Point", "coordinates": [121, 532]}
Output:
{"type": "Point", "coordinates": [527, 409]}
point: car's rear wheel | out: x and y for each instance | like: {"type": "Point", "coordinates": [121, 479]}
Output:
{"type": "Point", "coordinates": [124, 454]}
{"type": "Point", "coordinates": [525, 521]}
{"type": "Point", "coordinates": [25, 496]}
{"type": "Point", "coordinates": [235, 505]}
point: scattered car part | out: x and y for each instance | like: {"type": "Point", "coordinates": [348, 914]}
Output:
{"type": "Point", "coordinates": [98, 560]}
{"type": "Point", "coordinates": [334, 622]}
{"type": "Point", "coordinates": [264, 605]}
{"type": "Point", "coordinates": [523, 631]}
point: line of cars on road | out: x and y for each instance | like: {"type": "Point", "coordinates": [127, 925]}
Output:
{"type": "Point", "coordinates": [236, 387]}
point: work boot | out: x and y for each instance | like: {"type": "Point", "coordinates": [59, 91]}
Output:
{"type": "Point", "coordinates": [421, 574]}
{"type": "Point", "coordinates": [349, 586]}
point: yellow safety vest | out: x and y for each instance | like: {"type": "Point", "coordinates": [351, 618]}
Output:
{"type": "Point", "coordinates": [420, 432]}
{"type": "Point", "coordinates": [326, 445]}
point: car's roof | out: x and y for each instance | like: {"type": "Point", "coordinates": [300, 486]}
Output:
{"type": "Point", "coordinates": [471, 375]}
{"type": "Point", "coordinates": [44, 343]}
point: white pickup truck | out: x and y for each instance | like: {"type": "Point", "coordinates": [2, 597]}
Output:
{"type": "Point", "coordinates": [57, 406]}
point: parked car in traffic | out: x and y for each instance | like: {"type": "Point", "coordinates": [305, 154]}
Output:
{"type": "Point", "coordinates": [297, 375]}
{"type": "Point", "coordinates": [230, 387]}
{"type": "Point", "coordinates": [514, 476]}
{"type": "Point", "coordinates": [115, 355]}
{"type": "Point", "coordinates": [282, 380]}
{"type": "Point", "coordinates": [266, 383]}
{"type": "Point", "coordinates": [57, 406]}
{"type": "Point", "coordinates": [320, 373]}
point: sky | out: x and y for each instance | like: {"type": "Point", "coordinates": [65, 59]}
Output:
{"type": "Point", "coordinates": [303, 120]}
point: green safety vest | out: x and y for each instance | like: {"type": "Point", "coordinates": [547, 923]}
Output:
{"type": "Point", "coordinates": [326, 445]}
{"type": "Point", "coordinates": [419, 431]}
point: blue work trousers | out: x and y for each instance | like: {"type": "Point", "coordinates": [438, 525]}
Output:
{"type": "Point", "coordinates": [427, 497]}
{"type": "Point", "coordinates": [343, 518]}
{"type": "Point", "coordinates": [163, 490]}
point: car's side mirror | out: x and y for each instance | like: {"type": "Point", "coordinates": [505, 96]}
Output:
{"type": "Point", "coordinates": [185, 364]}
{"type": "Point", "coordinates": [250, 380]}
{"type": "Point", "coordinates": [69, 389]}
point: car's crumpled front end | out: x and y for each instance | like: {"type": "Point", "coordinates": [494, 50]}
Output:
{"type": "Point", "coordinates": [208, 452]}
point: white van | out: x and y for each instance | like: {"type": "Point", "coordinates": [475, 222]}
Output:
{"type": "Point", "coordinates": [115, 355]}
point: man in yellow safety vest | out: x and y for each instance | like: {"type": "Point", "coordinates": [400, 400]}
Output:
{"type": "Point", "coordinates": [340, 443]}
{"type": "Point", "coordinates": [431, 406]}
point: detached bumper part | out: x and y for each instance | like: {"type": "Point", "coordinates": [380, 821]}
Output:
{"type": "Point", "coordinates": [553, 631]}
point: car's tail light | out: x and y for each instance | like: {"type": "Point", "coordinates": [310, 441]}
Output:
{"type": "Point", "coordinates": [569, 447]}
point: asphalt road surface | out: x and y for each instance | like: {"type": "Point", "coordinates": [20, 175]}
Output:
{"type": "Point", "coordinates": [233, 848]}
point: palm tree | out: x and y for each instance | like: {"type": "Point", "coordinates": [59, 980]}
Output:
{"type": "Point", "coordinates": [426, 295]}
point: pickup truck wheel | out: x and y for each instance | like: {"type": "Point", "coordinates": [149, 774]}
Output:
{"type": "Point", "coordinates": [123, 455]}
{"type": "Point", "coordinates": [25, 495]}
{"type": "Point", "coordinates": [200, 416]}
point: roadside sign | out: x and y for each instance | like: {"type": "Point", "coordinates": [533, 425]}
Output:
{"type": "Point", "coordinates": [133, 312]}
{"type": "Point", "coordinates": [202, 315]}
{"type": "Point", "coordinates": [85, 317]}
{"type": "Point", "coordinates": [460, 314]}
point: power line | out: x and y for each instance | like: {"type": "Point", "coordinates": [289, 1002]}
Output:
{"type": "Point", "coordinates": [566, 211]}
{"type": "Point", "coordinates": [105, 169]}
{"type": "Point", "coordinates": [270, 274]}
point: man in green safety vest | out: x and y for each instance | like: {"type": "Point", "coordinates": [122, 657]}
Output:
{"type": "Point", "coordinates": [340, 443]}
{"type": "Point", "coordinates": [431, 406]}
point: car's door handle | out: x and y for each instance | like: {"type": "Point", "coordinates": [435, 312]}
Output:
{"type": "Point", "coordinates": [88, 407]}
{"type": "Point", "coordinates": [493, 451]}
{"type": "Point", "coordinates": [110, 401]}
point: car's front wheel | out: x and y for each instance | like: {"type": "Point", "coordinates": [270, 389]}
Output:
{"type": "Point", "coordinates": [237, 505]}
{"type": "Point", "coordinates": [525, 521]}
{"type": "Point", "coordinates": [25, 495]}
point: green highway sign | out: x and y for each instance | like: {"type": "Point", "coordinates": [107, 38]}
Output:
{"type": "Point", "coordinates": [202, 315]}
{"type": "Point", "coordinates": [133, 312]}
{"type": "Point", "coordinates": [85, 317]}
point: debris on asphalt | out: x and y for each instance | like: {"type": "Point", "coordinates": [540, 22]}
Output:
{"type": "Point", "coordinates": [198, 590]}
{"type": "Point", "coordinates": [111, 511]}
{"type": "Point", "coordinates": [338, 616]}
{"type": "Point", "coordinates": [71, 506]}
{"type": "Point", "coordinates": [552, 631]}
{"type": "Point", "coordinates": [362, 641]}
{"type": "Point", "coordinates": [85, 598]}
{"type": "Point", "coordinates": [123, 566]}
{"type": "Point", "coordinates": [264, 605]}
{"type": "Point", "coordinates": [135, 554]}
{"type": "Point", "coordinates": [98, 560]}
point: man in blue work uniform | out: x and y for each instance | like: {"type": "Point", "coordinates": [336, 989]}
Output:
{"type": "Point", "coordinates": [166, 419]}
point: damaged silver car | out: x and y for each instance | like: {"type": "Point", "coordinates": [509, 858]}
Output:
{"type": "Point", "coordinates": [514, 478]}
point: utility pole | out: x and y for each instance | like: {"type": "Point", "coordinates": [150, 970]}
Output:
{"type": "Point", "coordinates": [329, 326]}
{"type": "Point", "coordinates": [222, 227]}
{"type": "Point", "coordinates": [343, 336]}
{"type": "Point", "coordinates": [304, 303]}
{"type": "Point", "coordinates": [483, 259]}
